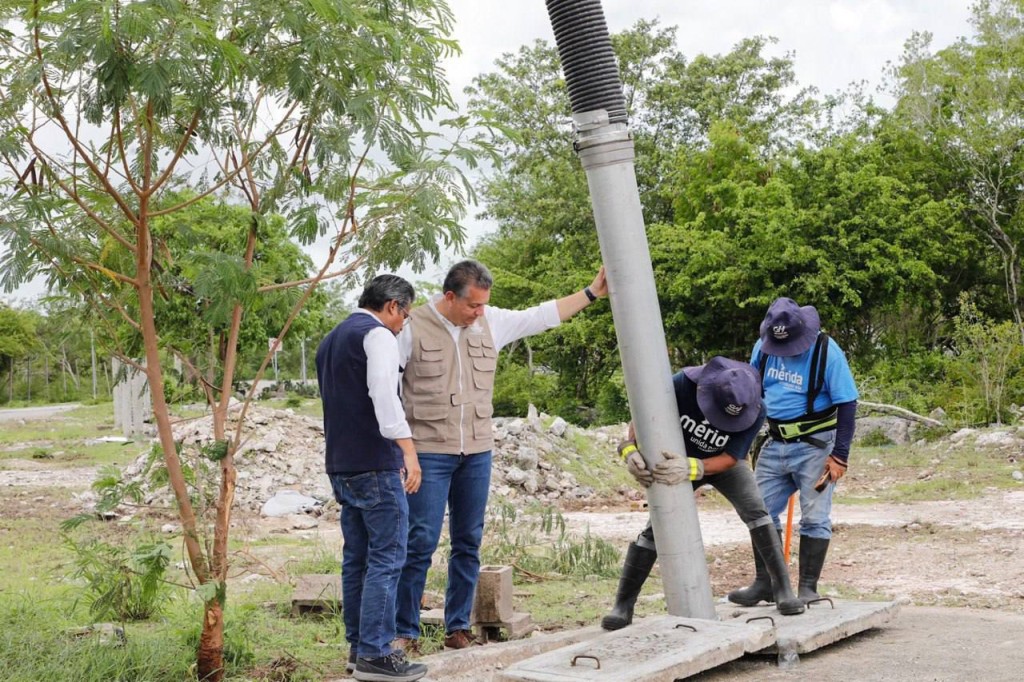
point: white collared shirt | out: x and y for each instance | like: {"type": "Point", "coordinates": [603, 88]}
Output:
{"type": "Point", "coordinates": [383, 381]}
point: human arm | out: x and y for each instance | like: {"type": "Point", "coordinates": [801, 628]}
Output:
{"type": "Point", "coordinates": [412, 475]}
{"type": "Point", "coordinates": [716, 464]}
{"type": "Point", "coordinates": [573, 303]}
{"type": "Point", "coordinates": [838, 461]}
{"type": "Point", "coordinates": [382, 380]}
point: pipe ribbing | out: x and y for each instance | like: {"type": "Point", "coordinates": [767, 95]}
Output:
{"type": "Point", "coordinates": [585, 48]}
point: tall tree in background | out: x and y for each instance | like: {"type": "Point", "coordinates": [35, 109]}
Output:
{"type": "Point", "coordinates": [118, 118]}
{"type": "Point", "coordinates": [538, 194]}
{"type": "Point", "coordinates": [965, 101]}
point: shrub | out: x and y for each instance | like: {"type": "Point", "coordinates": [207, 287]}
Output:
{"type": "Point", "coordinates": [122, 584]}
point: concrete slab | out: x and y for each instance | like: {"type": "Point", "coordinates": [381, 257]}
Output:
{"type": "Point", "coordinates": [658, 649]}
{"type": "Point", "coordinates": [477, 663]}
{"type": "Point", "coordinates": [316, 593]}
{"type": "Point", "coordinates": [820, 625]}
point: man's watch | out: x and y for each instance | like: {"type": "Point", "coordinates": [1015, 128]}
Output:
{"type": "Point", "coordinates": [590, 294]}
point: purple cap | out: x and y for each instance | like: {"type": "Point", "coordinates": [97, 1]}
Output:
{"type": "Point", "coordinates": [789, 329]}
{"type": "Point", "coordinates": [728, 393]}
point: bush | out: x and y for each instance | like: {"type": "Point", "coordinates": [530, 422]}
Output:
{"type": "Point", "coordinates": [515, 388]}
{"type": "Point", "coordinates": [122, 584]}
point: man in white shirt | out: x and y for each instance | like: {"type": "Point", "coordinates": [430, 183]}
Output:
{"type": "Point", "coordinates": [449, 352]}
{"type": "Point", "coordinates": [372, 465]}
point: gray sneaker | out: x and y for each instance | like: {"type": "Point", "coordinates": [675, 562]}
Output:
{"type": "Point", "coordinates": [391, 668]}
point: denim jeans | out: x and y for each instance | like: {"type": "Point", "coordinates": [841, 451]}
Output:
{"type": "Point", "coordinates": [786, 468]}
{"type": "Point", "coordinates": [460, 483]}
{"type": "Point", "coordinates": [737, 485]}
{"type": "Point", "coordinates": [375, 526]}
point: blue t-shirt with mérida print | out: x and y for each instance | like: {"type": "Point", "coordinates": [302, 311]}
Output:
{"type": "Point", "coordinates": [786, 382]}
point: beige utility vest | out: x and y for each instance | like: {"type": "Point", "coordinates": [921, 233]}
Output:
{"type": "Point", "coordinates": [448, 389]}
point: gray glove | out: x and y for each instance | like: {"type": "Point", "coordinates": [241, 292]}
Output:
{"type": "Point", "coordinates": [675, 469]}
{"type": "Point", "coordinates": [635, 464]}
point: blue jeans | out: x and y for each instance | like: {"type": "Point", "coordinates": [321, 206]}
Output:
{"type": "Point", "coordinates": [786, 468]}
{"type": "Point", "coordinates": [375, 526]}
{"type": "Point", "coordinates": [460, 483]}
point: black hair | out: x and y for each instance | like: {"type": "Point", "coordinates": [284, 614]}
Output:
{"type": "Point", "coordinates": [465, 274]}
{"type": "Point", "coordinates": [384, 288]}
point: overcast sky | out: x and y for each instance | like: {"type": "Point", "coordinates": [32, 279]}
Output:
{"type": "Point", "coordinates": [833, 42]}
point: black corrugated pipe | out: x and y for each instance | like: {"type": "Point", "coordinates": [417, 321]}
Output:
{"type": "Point", "coordinates": [606, 152]}
{"type": "Point", "coordinates": [588, 61]}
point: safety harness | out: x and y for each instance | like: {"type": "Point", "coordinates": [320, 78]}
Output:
{"type": "Point", "coordinates": [801, 428]}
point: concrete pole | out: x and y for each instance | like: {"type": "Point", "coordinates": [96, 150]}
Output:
{"type": "Point", "coordinates": [606, 151]}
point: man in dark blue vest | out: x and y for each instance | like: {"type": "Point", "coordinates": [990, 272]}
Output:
{"type": "Point", "coordinates": [372, 465]}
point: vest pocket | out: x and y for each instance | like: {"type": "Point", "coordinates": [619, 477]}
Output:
{"type": "Point", "coordinates": [428, 423]}
{"type": "Point", "coordinates": [483, 372]}
{"type": "Point", "coordinates": [429, 376]}
{"type": "Point", "coordinates": [482, 421]}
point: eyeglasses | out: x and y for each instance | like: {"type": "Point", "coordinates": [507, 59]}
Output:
{"type": "Point", "coordinates": [404, 310]}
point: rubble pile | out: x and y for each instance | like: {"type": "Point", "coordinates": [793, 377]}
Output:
{"type": "Point", "coordinates": [284, 451]}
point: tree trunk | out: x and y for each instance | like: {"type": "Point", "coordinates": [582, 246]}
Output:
{"type": "Point", "coordinates": [210, 657]}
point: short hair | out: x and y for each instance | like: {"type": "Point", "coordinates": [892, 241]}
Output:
{"type": "Point", "coordinates": [465, 274]}
{"type": "Point", "coordinates": [384, 288]}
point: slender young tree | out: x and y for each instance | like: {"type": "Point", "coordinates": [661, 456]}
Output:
{"type": "Point", "coordinates": [965, 101]}
{"type": "Point", "coordinates": [116, 116]}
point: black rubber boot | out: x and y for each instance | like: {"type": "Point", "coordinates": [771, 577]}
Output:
{"type": "Point", "coordinates": [812, 558]}
{"type": "Point", "coordinates": [636, 568]}
{"type": "Point", "coordinates": [761, 589]}
{"type": "Point", "coordinates": [768, 544]}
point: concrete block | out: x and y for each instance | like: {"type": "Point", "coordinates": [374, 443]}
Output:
{"type": "Point", "coordinates": [493, 601]}
{"type": "Point", "coordinates": [823, 622]}
{"type": "Point", "coordinates": [432, 617]}
{"type": "Point", "coordinates": [660, 649]}
{"type": "Point", "coordinates": [316, 593]}
{"type": "Point", "coordinates": [519, 626]}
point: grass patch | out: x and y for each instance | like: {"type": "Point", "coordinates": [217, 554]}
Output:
{"type": "Point", "coordinates": [595, 466]}
{"type": "Point", "coordinates": [927, 474]}
{"type": "Point", "coordinates": [311, 407]}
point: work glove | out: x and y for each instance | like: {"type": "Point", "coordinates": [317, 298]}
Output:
{"type": "Point", "coordinates": [635, 463]}
{"type": "Point", "coordinates": [675, 469]}
{"type": "Point", "coordinates": [834, 470]}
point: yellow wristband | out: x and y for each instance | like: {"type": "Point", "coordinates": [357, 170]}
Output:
{"type": "Point", "coordinates": [628, 450]}
{"type": "Point", "coordinates": [693, 469]}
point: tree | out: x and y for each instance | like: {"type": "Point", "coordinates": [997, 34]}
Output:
{"type": "Point", "coordinates": [17, 338]}
{"type": "Point", "coordinates": [538, 194]}
{"type": "Point", "coordinates": [116, 117]}
{"type": "Point", "coordinates": [965, 101]}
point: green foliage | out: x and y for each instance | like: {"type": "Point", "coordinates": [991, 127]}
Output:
{"type": "Point", "coordinates": [540, 544]}
{"type": "Point", "coordinates": [963, 104]}
{"type": "Point", "coordinates": [35, 645]}
{"type": "Point", "coordinates": [989, 355]}
{"type": "Point", "coordinates": [750, 192]}
{"type": "Point", "coordinates": [121, 584]}
{"type": "Point", "coordinates": [874, 439]}
{"type": "Point", "coordinates": [917, 381]}
{"type": "Point", "coordinates": [112, 490]}
{"type": "Point", "coordinates": [516, 388]}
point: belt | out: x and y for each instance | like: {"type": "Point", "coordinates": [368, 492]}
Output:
{"type": "Point", "coordinates": [801, 429]}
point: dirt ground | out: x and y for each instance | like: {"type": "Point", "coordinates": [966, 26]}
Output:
{"type": "Point", "coordinates": [957, 568]}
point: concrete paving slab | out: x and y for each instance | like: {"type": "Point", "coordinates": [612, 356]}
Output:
{"type": "Point", "coordinates": [316, 593]}
{"type": "Point", "coordinates": [478, 662]}
{"type": "Point", "coordinates": [820, 625]}
{"type": "Point", "coordinates": [657, 649]}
